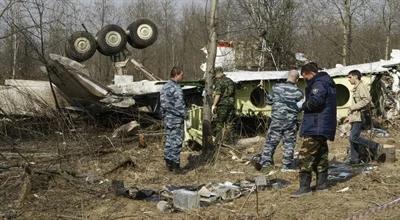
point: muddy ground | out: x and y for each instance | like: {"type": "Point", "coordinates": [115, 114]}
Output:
{"type": "Point", "coordinates": [67, 175]}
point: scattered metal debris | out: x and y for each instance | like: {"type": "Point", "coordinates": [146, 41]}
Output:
{"type": "Point", "coordinates": [260, 181]}
{"type": "Point", "coordinates": [164, 206]}
{"type": "Point", "coordinates": [344, 190]}
{"type": "Point", "coordinates": [340, 171]}
{"type": "Point", "coordinates": [126, 129]}
{"type": "Point", "coordinates": [390, 153]}
{"type": "Point", "coordinates": [183, 198]}
{"type": "Point", "coordinates": [133, 192]}
{"type": "Point", "coordinates": [379, 132]}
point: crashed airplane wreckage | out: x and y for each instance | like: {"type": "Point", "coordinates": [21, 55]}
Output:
{"type": "Point", "coordinates": [89, 95]}
{"type": "Point", "coordinates": [72, 87]}
{"type": "Point", "coordinates": [75, 90]}
{"type": "Point", "coordinates": [382, 77]}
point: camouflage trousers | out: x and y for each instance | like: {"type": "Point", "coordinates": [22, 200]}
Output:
{"type": "Point", "coordinates": [279, 130]}
{"type": "Point", "coordinates": [313, 155]}
{"type": "Point", "coordinates": [173, 141]}
{"type": "Point", "coordinates": [222, 124]}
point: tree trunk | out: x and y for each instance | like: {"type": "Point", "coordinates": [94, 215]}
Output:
{"type": "Point", "coordinates": [15, 51]}
{"type": "Point", "coordinates": [211, 51]}
{"type": "Point", "coordinates": [15, 41]}
{"type": "Point", "coordinates": [346, 33]}
{"type": "Point", "coordinates": [387, 46]}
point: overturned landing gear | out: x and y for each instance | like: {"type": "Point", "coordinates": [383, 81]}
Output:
{"type": "Point", "coordinates": [111, 40]}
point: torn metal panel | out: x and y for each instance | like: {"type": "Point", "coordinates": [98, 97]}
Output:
{"type": "Point", "coordinates": [148, 73]}
{"type": "Point", "coordinates": [125, 129]}
{"type": "Point", "coordinates": [137, 88]}
{"type": "Point", "coordinates": [374, 68]}
{"type": "Point", "coordinates": [29, 98]}
{"type": "Point", "coordinates": [73, 79]}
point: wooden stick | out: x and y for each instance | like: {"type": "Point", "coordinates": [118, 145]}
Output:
{"type": "Point", "coordinates": [248, 197]}
{"type": "Point", "coordinates": [258, 214]}
{"type": "Point", "coordinates": [69, 217]}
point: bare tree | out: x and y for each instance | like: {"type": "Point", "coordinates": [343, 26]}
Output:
{"type": "Point", "coordinates": [168, 20]}
{"type": "Point", "coordinates": [5, 7]}
{"type": "Point", "coordinates": [346, 10]}
{"type": "Point", "coordinates": [14, 10]}
{"type": "Point", "coordinates": [211, 55]}
{"type": "Point", "coordinates": [346, 18]}
{"type": "Point", "coordinates": [328, 31]}
{"type": "Point", "coordinates": [193, 34]}
{"type": "Point", "coordinates": [274, 21]}
{"type": "Point", "coordinates": [29, 23]}
{"type": "Point", "coordinates": [390, 17]}
{"type": "Point", "coordinates": [103, 12]}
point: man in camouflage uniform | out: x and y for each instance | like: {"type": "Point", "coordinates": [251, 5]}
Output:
{"type": "Point", "coordinates": [319, 125]}
{"type": "Point", "coordinates": [283, 124]}
{"type": "Point", "coordinates": [223, 106]}
{"type": "Point", "coordinates": [174, 112]}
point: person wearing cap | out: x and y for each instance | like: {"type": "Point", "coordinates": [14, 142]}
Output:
{"type": "Point", "coordinates": [223, 106]}
{"type": "Point", "coordinates": [361, 101]}
{"type": "Point", "coordinates": [318, 126]}
{"type": "Point", "coordinates": [283, 124]}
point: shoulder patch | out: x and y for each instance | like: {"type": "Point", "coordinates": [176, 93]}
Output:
{"type": "Point", "coordinates": [315, 91]}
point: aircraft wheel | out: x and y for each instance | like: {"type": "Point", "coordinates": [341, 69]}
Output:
{"type": "Point", "coordinates": [111, 39]}
{"type": "Point", "coordinates": [142, 33]}
{"type": "Point", "coordinates": [80, 46]}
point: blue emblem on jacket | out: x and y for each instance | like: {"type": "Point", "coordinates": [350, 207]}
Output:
{"type": "Point", "coordinates": [320, 107]}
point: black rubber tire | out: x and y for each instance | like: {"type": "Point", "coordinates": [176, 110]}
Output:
{"type": "Point", "coordinates": [104, 47]}
{"type": "Point", "coordinates": [135, 40]}
{"type": "Point", "coordinates": [74, 53]}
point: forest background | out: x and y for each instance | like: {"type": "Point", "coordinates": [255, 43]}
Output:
{"type": "Point", "coordinates": [328, 32]}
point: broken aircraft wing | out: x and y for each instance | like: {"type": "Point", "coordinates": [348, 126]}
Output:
{"type": "Point", "coordinates": [73, 79]}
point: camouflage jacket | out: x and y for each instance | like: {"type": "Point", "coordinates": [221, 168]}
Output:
{"type": "Point", "coordinates": [225, 87]}
{"type": "Point", "coordinates": [172, 103]}
{"type": "Point", "coordinates": [284, 98]}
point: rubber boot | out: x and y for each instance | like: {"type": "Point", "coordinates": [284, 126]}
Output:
{"type": "Point", "coordinates": [176, 168]}
{"type": "Point", "coordinates": [379, 156]}
{"type": "Point", "coordinates": [169, 164]}
{"type": "Point", "coordinates": [322, 181]}
{"type": "Point", "coordinates": [304, 189]}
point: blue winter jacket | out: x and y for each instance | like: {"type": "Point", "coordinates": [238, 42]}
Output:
{"type": "Point", "coordinates": [320, 107]}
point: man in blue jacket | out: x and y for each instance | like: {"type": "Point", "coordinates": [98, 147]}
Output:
{"type": "Point", "coordinates": [319, 125]}
{"type": "Point", "coordinates": [174, 112]}
{"type": "Point", "coordinates": [283, 124]}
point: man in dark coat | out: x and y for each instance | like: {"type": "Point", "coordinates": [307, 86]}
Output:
{"type": "Point", "coordinates": [319, 125]}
